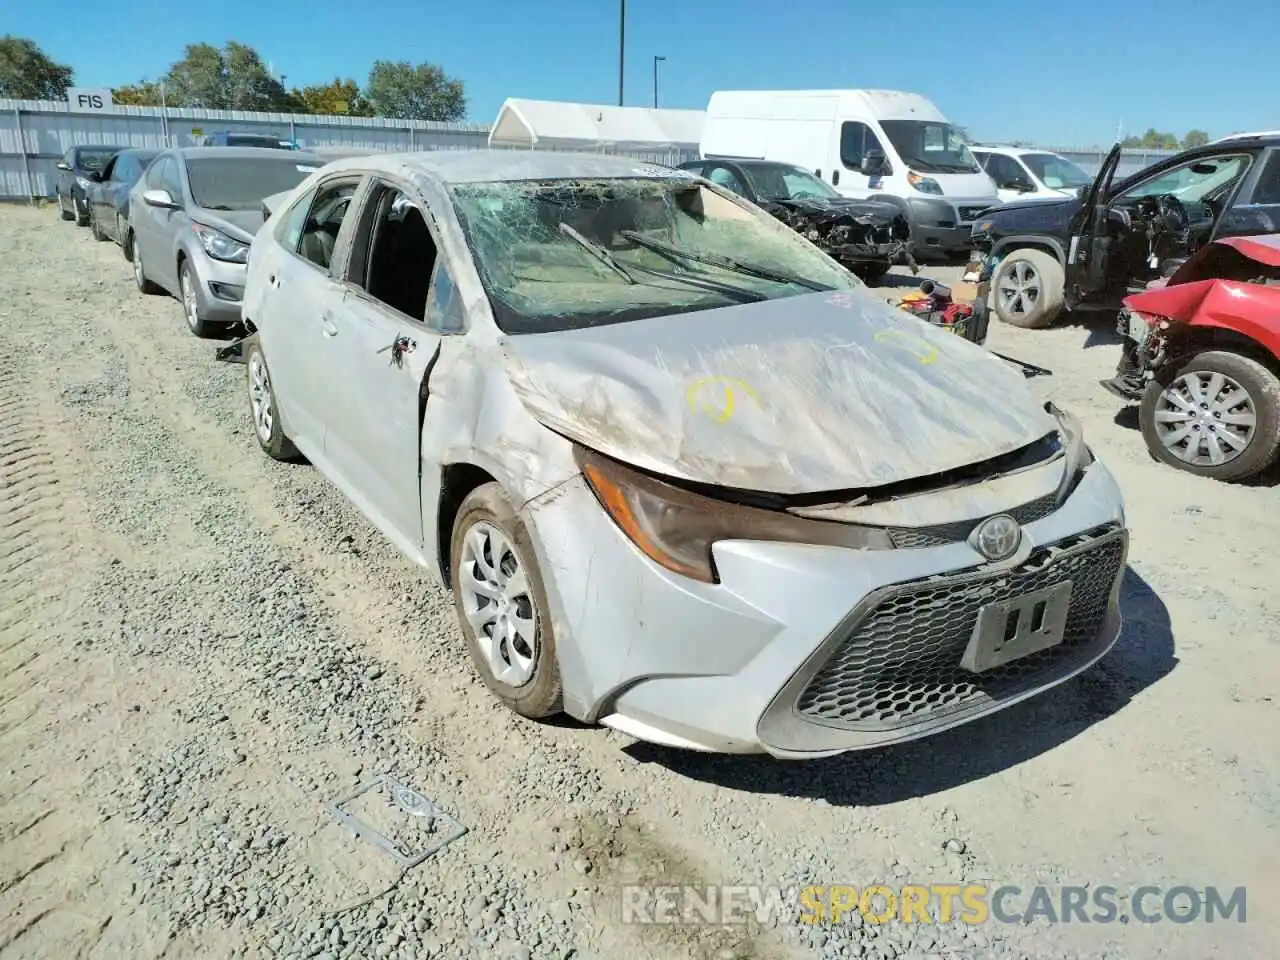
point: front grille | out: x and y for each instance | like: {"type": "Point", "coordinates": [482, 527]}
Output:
{"type": "Point", "coordinates": [900, 663]}
{"type": "Point", "coordinates": [915, 538]}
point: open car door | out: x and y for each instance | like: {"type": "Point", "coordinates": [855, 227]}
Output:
{"type": "Point", "coordinates": [1090, 249]}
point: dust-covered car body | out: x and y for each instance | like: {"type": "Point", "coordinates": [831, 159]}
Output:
{"type": "Point", "coordinates": [867, 235]}
{"type": "Point", "coordinates": [708, 503]}
{"type": "Point", "coordinates": [192, 217]}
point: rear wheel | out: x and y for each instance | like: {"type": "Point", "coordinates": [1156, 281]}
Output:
{"type": "Point", "coordinates": [1029, 288]}
{"type": "Point", "coordinates": [62, 208]}
{"type": "Point", "coordinates": [94, 228]}
{"type": "Point", "coordinates": [81, 208]}
{"type": "Point", "coordinates": [1215, 414]}
{"type": "Point", "coordinates": [139, 272]}
{"type": "Point", "coordinates": [262, 406]}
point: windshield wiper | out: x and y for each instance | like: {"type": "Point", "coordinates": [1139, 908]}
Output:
{"type": "Point", "coordinates": [597, 251]}
{"type": "Point", "coordinates": [725, 263]}
{"type": "Point", "coordinates": [215, 206]}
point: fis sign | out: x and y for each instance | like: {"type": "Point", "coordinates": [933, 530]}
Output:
{"type": "Point", "coordinates": [83, 98]}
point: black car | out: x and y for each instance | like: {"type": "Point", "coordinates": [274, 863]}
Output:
{"type": "Point", "coordinates": [108, 193]}
{"type": "Point", "coordinates": [1090, 251]}
{"type": "Point", "coordinates": [244, 138]}
{"type": "Point", "coordinates": [74, 170]}
{"type": "Point", "coordinates": [868, 236]}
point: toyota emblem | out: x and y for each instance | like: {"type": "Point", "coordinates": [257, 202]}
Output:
{"type": "Point", "coordinates": [997, 537]}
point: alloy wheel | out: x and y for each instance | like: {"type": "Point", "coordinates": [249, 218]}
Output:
{"type": "Point", "coordinates": [499, 604]}
{"type": "Point", "coordinates": [261, 401]}
{"type": "Point", "coordinates": [190, 305]}
{"type": "Point", "coordinates": [1205, 418]}
{"type": "Point", "coordinates": [1020, 288]}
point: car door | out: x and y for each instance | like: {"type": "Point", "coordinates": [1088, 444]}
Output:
{"type": "Point", "coordinates": [1089, 246]}
{"type": "Point", "coordinates": [390, 321]}
{"type": "Point", "coordinates": [303, 269]}
{"type": "Point", "coordinates": [155, 228]}
{"type": "Point", "coordinates": [1255, 208]}
{"type": "Point", "coordinates": [863, 159]}
{"type": "Point", "coordinates": [65, 175]}
{"type": "Point", "coordinates": [102, 193]}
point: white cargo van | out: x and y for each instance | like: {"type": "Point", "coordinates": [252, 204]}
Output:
{"type": "Point", "coordinates": [884, 144]}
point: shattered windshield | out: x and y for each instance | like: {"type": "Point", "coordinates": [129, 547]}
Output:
{"type": "Point", "coordinates": [1055, 172]}
{"type": "Point", "coordinates": [241, 183]}
{"type": "Point", "coordinates": [781, 182]}
{"type": "Point", "coordinates": [930, 146]}
{"type": "Point", "coordinates": [656, 237]}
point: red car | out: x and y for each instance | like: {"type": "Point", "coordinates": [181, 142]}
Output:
{"type": "Point", "coordinates": [1202, 357]}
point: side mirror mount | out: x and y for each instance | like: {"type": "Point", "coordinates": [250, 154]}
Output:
{"type": "Point", "coordinates": [63, 166]}
{"type": "Point", "coordinates": [159, 198]}
{"type": "Point", "coordinates": [875, 164]}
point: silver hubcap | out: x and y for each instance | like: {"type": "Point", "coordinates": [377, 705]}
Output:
{"type": "Point", "coordinates": [499, 604]}
{"type": "Point", "coordinates": [260, 399]}
{"type": "Point", "coordinates": [1205, 419]}
{"type": "Point", "coordinates": [189, 300]}
{"type": "Point", "coordinates": [137, 262]}
{"type": "Point", "coordinates": [1020, 288]}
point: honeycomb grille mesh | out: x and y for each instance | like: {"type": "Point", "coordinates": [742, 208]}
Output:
{"type": "Point", "coordinates": [901, 662]}
{"type": "Point", "coordinates": [915, 538]}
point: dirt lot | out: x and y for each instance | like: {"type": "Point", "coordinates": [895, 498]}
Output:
{"type": "Point", "coordinates": [201, 649]}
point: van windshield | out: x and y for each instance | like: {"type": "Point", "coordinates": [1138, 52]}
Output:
{"type": "Point", "coordinates": [930, 146]}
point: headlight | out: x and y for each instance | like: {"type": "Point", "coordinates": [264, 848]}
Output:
{"type": "Point", "coordinates": [1078, 454]}
{"type": "Point", "coordinates": [676, 528]}
{"type": "Point", "coordinates": [220, 246]}
{"type": "Point", "coordinates": [924, 184]}
{"type": "Point", "coordinates": [84, 182]}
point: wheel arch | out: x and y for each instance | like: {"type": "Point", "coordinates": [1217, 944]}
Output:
{"type": "Point", "coordinates": [1045, 244]}
{"type": "Point", "coordinates": [457, 480]}
{"type": "Point", "coordinates": [1194, 339]}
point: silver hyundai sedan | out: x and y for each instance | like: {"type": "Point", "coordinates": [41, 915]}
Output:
{"type": "Point", "coordinates": [192, 217]}
{"type": "Point", "coordinates": [685, 476]}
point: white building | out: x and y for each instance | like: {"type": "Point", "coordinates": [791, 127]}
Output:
{"type": "Point", "coordinates": [664, 136]}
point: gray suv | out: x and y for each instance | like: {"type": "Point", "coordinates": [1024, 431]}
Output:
{"type": "Point", "coordinates": [192, 217]}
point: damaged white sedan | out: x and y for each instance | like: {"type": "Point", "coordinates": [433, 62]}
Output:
{"type": "Point", "coordinates": [683, 474]}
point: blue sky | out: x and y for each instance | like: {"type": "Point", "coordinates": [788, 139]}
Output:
{"type": "Point", "coordinates": [1063, 73]}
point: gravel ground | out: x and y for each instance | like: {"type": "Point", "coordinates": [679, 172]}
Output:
{"type": "Point", "coordinates": [201, 649]}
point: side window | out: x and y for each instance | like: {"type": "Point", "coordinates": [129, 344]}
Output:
{"type": "Point", "coordinates": [320, 228]}
{"type": "Point", "coordinates": [725, 177]}
{"type": "Point", "coordinates": [1267, 190]}
{"type": "Point", "coordinates": [153, 173]}
{"type": "Point", "coordinates": [399, 253]}
{"type": "Point", "coordinates": [856, 141]}
{"type": "Point", "coordinates": [981, 157]}
{"type": "Point", "coordinates": [444, 309]}
{"type": "Point", "coordinates": [1005, 170]}
{"type": "Point", "coordinates": [695, 168]}
{"type": "Point", "coordinates": [1193, 181]}
{"type": "Point", "coordinates": [288, 232]}
{"type": "Point", "coordinates": [108, 171]}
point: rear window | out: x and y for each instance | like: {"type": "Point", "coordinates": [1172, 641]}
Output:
{"type": "Point", "coordinates": [95, 158]}
{"type": "Point", "coordinates": [241, 183]}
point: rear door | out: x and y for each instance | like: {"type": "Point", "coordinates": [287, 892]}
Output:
{"type": "Point", "coordinates": [391, 322]}
{"type": "Point", "coordinates": [1255, 209]}
{"type": "Point", "coordinates": [1090, 244]}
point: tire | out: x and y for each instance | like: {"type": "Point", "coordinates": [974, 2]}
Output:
{"type": "Point", "coordinates": [62, 209]}
{"type": "Point", "coordinates": [188, 285]}
{"type": "Point", "coordinates": [125, 236]}
{"type": "Point", "coordinates": [1257, 386]}
{"type": "Point", "coordinates": [873, 272]}
{"type": "Point", "coordinates": [487, 520]}
{"type": "Point", "coordinates": [82, 215]}
{"type": "Point", "coordinates": [1036, 284]}
{"type": "Point", "coordinates": [267, 428]}
{"type": "Point", "coordinates": [94, 228]}
{"type": "Point", "coordinates": [139, 273]}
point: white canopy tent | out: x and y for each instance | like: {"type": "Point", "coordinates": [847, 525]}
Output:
{"type": "Point", "coordinates": [555, 125]}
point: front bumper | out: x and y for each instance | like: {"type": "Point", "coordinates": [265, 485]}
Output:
{"type": "Point", "coordinates": [807, 651]}
{"type": "Point", "coordinates": [943, 225]}
{"type": "Point", "coordinates": [220, 287]}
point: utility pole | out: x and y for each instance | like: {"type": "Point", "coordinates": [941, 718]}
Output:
{"type": "Point", "coordinates": [622, 45]}
{"type": "Point", "coordinates": [656, 61]}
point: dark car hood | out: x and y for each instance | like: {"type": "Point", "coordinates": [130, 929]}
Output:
{"type": "Point", "coordinates": [1031, 212]}
{"type": "Point", "coordinates": [869, 210]}
{"type": "Point", "coordinates": [240, 224]}
{"type": "Point", "coordinates": [814, 393]}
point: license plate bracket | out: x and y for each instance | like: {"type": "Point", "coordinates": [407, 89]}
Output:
{"type": "Point", "coordinates": [1138, 328]}
{"type": "Point", "coordinates": [1012, 629]}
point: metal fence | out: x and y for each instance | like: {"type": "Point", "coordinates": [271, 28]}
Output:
{"type": "Point", "coordinates": [35, 134]}
{"type": "Point", "coordinates": [1090, 159]}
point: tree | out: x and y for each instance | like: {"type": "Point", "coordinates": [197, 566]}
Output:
{"type": "Point", "coordinates": [231, 78]}
{"type": "Point", "coordinates": [145, 93]}
{"type": "Point", "coordinates": [1194, 138]}
{"type": "Point", "coordinates": [399, 89]}
{"type": "Point", "coordinates": [27, 73]}
{"type": "Point", "coordinates": [1152, 140]}
{"type": "Point", "coordinates": [340, 97]}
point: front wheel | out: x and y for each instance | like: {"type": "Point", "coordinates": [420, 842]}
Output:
{"type": "Point", "coordinates": [94, 227]}
{"type": "Point", "coordinates": [502, 604]}
{"type": "Point", "coordinates": [81, 209]}
{"type": "Point", "coordinates": [1029, 289]}
{"type": "Point", "coordinates": [1215, 414]}
{"type": "Point", "coordinates": [62, 208]}
{"type": "Point", "coordinates": [188, 289]}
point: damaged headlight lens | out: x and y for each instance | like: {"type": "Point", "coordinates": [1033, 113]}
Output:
{"type": "Point", "coordinates": [221, 247]}
{"type": "Point", "coordinates": [924, 184]}
{"type": "Point", "coordinates": [676, 528]}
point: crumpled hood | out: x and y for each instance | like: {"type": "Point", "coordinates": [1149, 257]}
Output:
{"type": "Point", "coordinates": [874, 211]}
{"type": "Point", "coordinates": [807, 394]}
{"type": "Point", "coordinates": [240, 224]}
